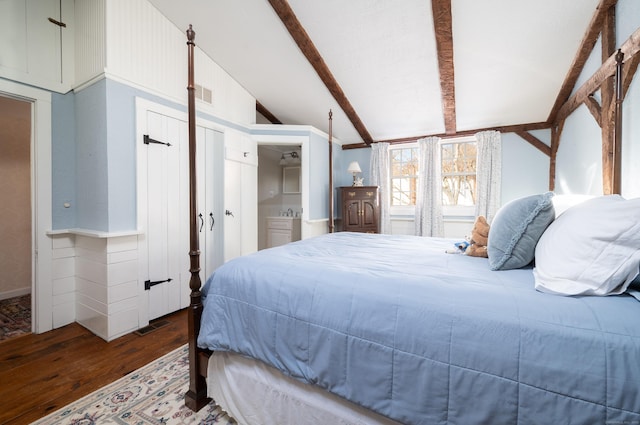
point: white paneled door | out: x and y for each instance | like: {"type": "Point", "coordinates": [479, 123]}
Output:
{"type": "Point", "coordinates": [210, 187]}
{"type": "Point", "coordinates": [166, 230]}
{"type": "Point", "coordinates": [163, 207]}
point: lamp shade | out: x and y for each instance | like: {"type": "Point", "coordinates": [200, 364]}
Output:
{"type": "Point", "coordinates": [354, 167]}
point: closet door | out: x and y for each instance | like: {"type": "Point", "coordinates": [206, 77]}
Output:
{"type": "Point", "coordinates": [166, 241]}
{"type": "Point", "coordinates": [209, 209]}
{"type": "Point", "coordinates": [36, 41]}
{"type": "Point", "coordinates": [240, 195]}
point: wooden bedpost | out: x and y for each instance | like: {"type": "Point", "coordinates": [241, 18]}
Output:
{"type": "Point", "coordinates": [617, 127]}
{"type": "Point", "coordinates": [331, 221]}
{"type": "Point", "coordinates": [196, 396]}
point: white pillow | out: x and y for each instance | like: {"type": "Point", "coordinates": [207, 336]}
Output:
{"type": "Point", "coordinates": [561, 203]}
{"type": "Point", "coordinates": [592, 248]}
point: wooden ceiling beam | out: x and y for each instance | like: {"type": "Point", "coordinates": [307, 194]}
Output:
{"type": "Point", "coordinates": [442, 24]}
{"type": "Point", "coordinates": [502, 129]}
{"type": "Point", "coordinates": [595, 109]}
{"type": "Point", "coordinates": [586, 46]}
{"type": "Point", "coordinates": [309, 50]}
{"type": "Point", "coordinates": [629, 48]}
{"type": "Point", "coordinates": [535, 142]}
{"type": "Point", "coordinates": [267, 114]}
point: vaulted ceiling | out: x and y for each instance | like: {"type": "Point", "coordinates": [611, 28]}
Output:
{"type": "Point", "coordinates": [396, 69]}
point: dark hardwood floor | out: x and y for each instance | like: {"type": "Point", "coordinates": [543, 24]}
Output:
{"type": "Point", "coordinates": [42, 373]}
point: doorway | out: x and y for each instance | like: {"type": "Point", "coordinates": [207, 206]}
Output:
{"type": "Point", "coordinates": [279, 186]}
{"type": "Point", "coordinates": [15, 216]}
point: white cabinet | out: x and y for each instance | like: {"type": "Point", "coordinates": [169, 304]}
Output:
{"type": "Point", "coordinates": [282, 230]}
{"type": "Point", "coordinates": [36, 42]}
{"type": "Point", "coordinates": [240, 195]}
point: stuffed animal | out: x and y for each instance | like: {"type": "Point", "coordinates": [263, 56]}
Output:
{"type": "Point", "coordinates": [479, 238]}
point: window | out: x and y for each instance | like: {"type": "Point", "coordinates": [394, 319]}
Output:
{"type": "Point", "coordinates": [458, 168]}
{"type": "Point", "coordinates": [458, 173]}
{"type": "Point", "coordinates": [404, 175]}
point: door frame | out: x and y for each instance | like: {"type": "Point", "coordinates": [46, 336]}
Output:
{"type": "Point", "coordinates": [303, 142]}
{"type": "Point", "coordinates": [41, 201]}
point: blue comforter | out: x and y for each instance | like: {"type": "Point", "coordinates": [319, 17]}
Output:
{"type": "Point", "coordinates": [395, 324]}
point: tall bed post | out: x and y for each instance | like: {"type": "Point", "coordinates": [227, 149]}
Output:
{"type": "Point", "coordinates": [331, 220]}
{"type": "Point", "coordinates": [617, 127]}
{"type": "Point", "coordinates": [196, 396]}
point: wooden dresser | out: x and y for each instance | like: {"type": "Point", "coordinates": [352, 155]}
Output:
{"type": "Point", "coordinates": [360, 208]}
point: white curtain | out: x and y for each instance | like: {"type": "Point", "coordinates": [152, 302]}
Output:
{"type": "Point", "coordinates": [489, 173]}
{"type": "Point", "coordinates": [428, 219]}
{"type": "Point", "coordinates": [379, 172]}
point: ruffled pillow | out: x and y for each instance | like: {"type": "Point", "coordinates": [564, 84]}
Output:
{"type": "Point", "coordinates": [515, 231]}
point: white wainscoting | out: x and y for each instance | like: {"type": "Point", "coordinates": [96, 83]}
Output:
{"type": "Point", "coordinates": [63, 279]}
{"type": "Point", "coordinates": [106, 278]}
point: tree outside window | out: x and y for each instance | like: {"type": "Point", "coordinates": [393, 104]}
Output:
{"type": "Point", "coordinates": [404, 176]}
{"type": "Point", "coordinates": [458, 173]}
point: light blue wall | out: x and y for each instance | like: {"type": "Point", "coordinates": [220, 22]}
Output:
{"type": "Point", "coordinates": [579, 161]}
{"type": "Point", "coordinates": [363, 157]}
{"type": "Point", "coordinates": [94, 156]}
{"type": "Point", "coordinates": [525, 170]}
{"type": "Point", "coordinates": [91, 158]}
{"type": "Point", "coordinates": [319, 176]}
{"type": "Point", "coordinates": [63, 160]}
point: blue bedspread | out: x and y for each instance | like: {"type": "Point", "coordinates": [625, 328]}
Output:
{"type": "Point", "coordinates": [395, 324]}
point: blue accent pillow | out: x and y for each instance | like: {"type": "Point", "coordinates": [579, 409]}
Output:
{"type": "Point", "coordinates": [515, 231]}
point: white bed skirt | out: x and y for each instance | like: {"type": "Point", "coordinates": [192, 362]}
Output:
{"type": "Point", "coordinates": [256, 394]}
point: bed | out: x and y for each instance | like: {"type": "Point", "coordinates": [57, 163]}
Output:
{"type": "Point", "coordinates": [378, 329]}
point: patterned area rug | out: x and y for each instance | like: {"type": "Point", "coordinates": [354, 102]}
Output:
{"type": "Point", "coordinates": [153, 394]}
{"type": "Point", "coordinates": [15, 317]}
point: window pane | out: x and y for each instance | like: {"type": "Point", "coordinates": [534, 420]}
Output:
{"type": "Point", "coordinates": [459, 174]}
{"type": "Point", "coordinates": [404, 170]}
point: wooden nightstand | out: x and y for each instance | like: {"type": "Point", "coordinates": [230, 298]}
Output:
{"type": "Point", "coordinates": [360, 208]}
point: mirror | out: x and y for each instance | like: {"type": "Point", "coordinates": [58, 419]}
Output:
{"type": "Point", "coordinates": [291, 180]}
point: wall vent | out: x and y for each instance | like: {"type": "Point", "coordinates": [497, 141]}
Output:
{"type": "Point", "coordinates": [203, 93]}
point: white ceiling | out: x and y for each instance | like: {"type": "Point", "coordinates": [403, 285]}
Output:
{"type": "Point", "coordinates": [510, 59]}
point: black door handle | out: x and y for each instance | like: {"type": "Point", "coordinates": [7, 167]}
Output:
{"type": "Point", "coordinates": [212, 220]}
{"type": "Point", "coordinates": [227, 212]}
{"type": "Point", "coordinates": [201, 222]}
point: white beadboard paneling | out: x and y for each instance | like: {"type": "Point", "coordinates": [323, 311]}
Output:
{"type": "Point", "coordinates": [122, 272]}
{"type": "Point", "coordinates": [91, 270]}
{"type": "Point", "coordinates": [89, 243]}
{"type": "Point", "coordinates": [63, 253]}
{"type": "Point", "coordinates": [123, 291]}
{"type": "Point", "coordinates": [62, 267]}
{"type": "Point", "coordinates": [122, 243]}
{"type": "Point", "coordinates": [118, 257]}
{"type": "Point", "coordinates": [64, 285]}
{"type": "Point", "coordinates": [63, 299]}
{"type": "Point", "coordinates": [123, 305]}
{"type": "Point", "coordinates": [91, 303]}
{"type": "Point", "coordinates": [122, 323]}
{"type": "Point", "coordinates": [92, 320]}
{"type": "Point", "coordinates": [90, 47]}
{"type": "Point", "coordinates": [91, 290]}
{"type": "Point", "coordinates": [143, 47]}
{"type": "Point", "coordinates": [63, 314]}
{"type": "Point", "coordinates": [87, 254]}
